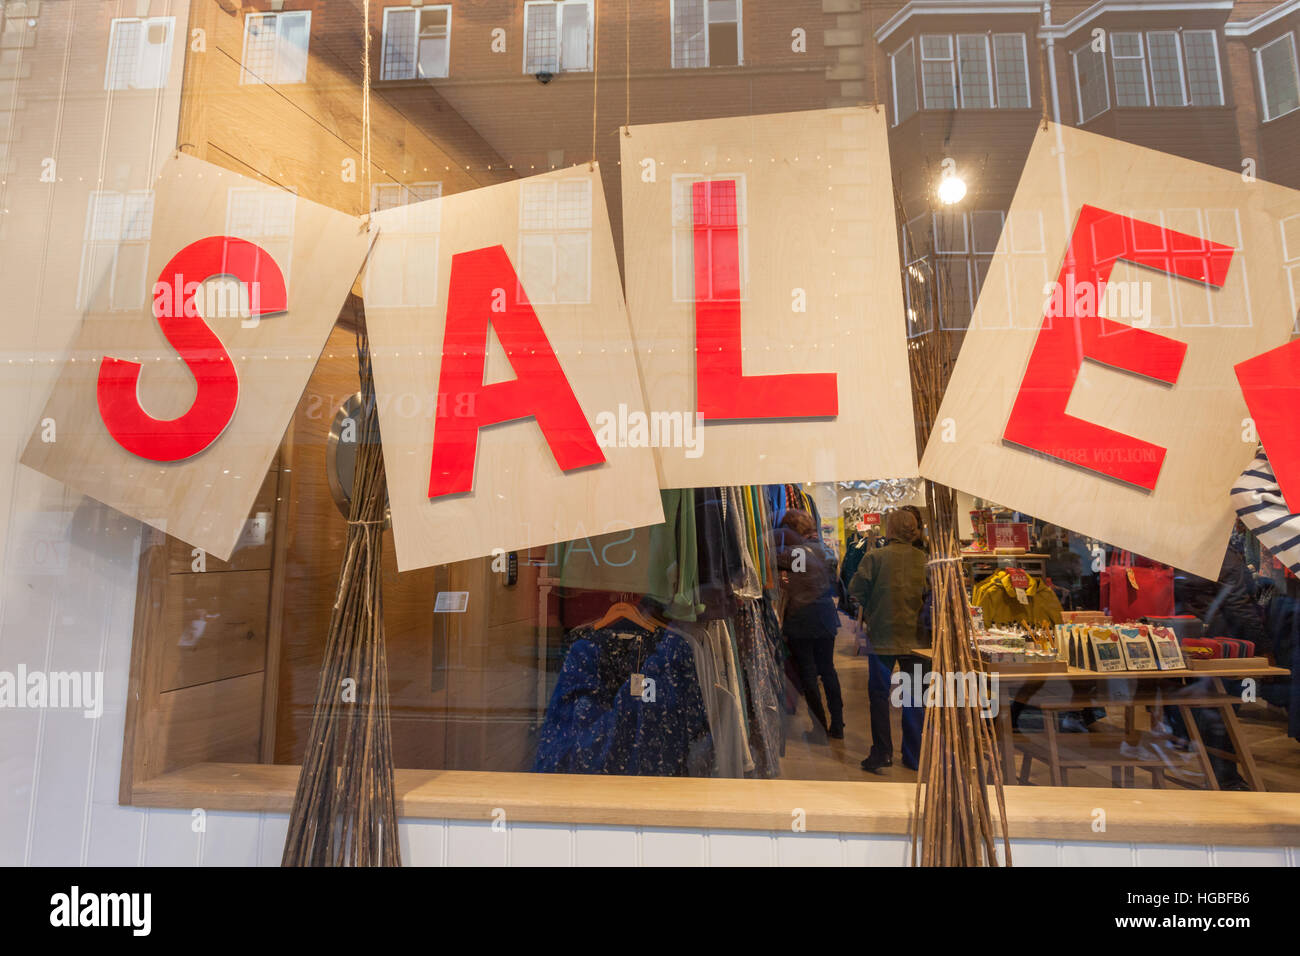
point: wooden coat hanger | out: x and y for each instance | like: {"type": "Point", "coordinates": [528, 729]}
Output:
{"type": "Point", "coordinates": [623, 610]}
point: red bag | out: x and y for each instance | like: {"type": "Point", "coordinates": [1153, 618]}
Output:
{"type": "Point", "coordinates": [1133, 590]}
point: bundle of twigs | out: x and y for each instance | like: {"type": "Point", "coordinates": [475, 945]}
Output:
{"type": "Point", "coordinates": [952, 822]}
{"type": "Point", "coordinates": [344, 811]}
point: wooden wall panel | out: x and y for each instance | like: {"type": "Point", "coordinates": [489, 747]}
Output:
{"type": "Point", "coordinates": [215, 626]}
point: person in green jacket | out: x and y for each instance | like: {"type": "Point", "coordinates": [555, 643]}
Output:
{"type": "Point", "coordinates": [890, 585]}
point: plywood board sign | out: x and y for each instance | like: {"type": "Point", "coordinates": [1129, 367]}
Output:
{"type": "Point", "coordinates": [1095, 388]}
{"type": "Point", "coordinates": [170, 407]}
{"type": "Point", "coordinates": [507, 389]}
{"type": "Point", "coordinates": [763, 282]}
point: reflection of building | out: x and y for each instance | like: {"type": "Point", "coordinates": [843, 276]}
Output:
{"type": "Point", "coordinates": [1213, 81]}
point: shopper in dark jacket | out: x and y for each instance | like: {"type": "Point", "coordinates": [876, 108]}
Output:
{"type": "Point", "coordinates": [811, 621]}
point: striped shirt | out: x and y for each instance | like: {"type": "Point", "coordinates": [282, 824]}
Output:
{"type": "Point", "coordinates": [1261, 508]}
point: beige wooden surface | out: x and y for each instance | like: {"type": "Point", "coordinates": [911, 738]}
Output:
{"type": "Point", "coordinates": [1186, 520]}
{"type": "Point", "coordinates": [817, 216]}
{"type": "Point", "coordinates": [203, 500]}
{"type": "Point", "coordinates": [1139, 816]}
{"type": "Point", "coordinates": [521, 499]}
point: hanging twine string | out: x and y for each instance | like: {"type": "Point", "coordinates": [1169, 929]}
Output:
{"type": "Point", "coordinates": [595, 76]}
{"type": "Point", "coordinates": [365, 116]}
{"type": "Point", "coordinates": [875, 74]}
{"type": "Point", "coordinates": [627, 60]}
{"type": "Point", "coordinates": [1042, 80]}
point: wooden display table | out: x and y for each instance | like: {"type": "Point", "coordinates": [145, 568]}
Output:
{"type": "Point", "coordinates": [1077, 689]}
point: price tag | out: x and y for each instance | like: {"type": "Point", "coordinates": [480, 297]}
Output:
{"type": "Point", "coordinates": [636, 685]}
{"type": "Point", "coordinates": [1019, 579]}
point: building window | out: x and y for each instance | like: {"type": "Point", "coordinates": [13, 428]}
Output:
{"type": "Point", "coordinates": [139, 53]}
{"type": "Point", "coordinates": [1166, 68]}
{"type": "Point", "coordinates": [1090, 83]}
{"type": "Point", "coordinates": [264, 215]}
{"type": "Point", "coordinates": [555, 241]}
{"type": "Point", "coordinates": [903, 65]}
{"type": "Point", "coordinates": [402, 271]}
{"type": "Point", "coordinates": [720, 212]}
{"type": "Point", "coordinates": [1279, 80]}
{"type": "Point", "coordinates": [557, 36]}
{"type": "Point", "coordinates": [115, 251]}
{"type": "Point", "coordinates": [1201, 53]}
{"type": "Point", "coordinates": [975, 71]}
{"type": "Point", "coordinates": [275, 47]}
{"type": "Point", "coordinates": [1011, 67]}
{"type": "Point", "coordinates": [966, 70]}
{"type": "Point", "coordinates": [1128, 60]}
{"type": "Point", "coordinates": [938, 78]}
{"type": "Point", "coordinates": [417, 43]}
{"type": "Point", "coordinates": [706, 33]}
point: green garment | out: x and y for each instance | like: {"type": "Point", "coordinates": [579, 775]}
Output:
{"type": "Point", "coordinates": [675, 560]}
{"type": "Point", "coordinates": [890, 586]}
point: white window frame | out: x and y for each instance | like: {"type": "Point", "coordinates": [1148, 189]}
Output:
{"type": "Point", "coordinates": [145, 22]}
{"type": "Point", "coordinates": [1218, 68]}
{"type": "Point", "coordinates": [110, 249]}
{"type": "Point", "coordinates": [415, 53]}
{"type": "Point", "coordinates": [910, 46]}
{"type": "Point", "coordinates": [1289, 36]}
{"type": "Point", "coordinates": [684, 232]}
{"type": "Point", "coordinates": [997, 92]}
{"type": "Point", "coordinates": [245, 76]}
{"type": "Point", "coordinates": [1182, 69]}
{"type": "Point", "coordinates": [1078, 87]}
{"type": "Point", "coordinates": [559, 6]}
{"type": "Point", "coordinates": [553, 233]}
{"type": "Point", "coordinates": [950, 59]}
{"type": "Point", "coordinates": [708, 59]}
{"type": "Point", "coordinates": [988, 69]}
{"type": "Point", "coordinates": [1144, 68]}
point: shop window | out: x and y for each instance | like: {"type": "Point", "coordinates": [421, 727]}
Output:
{"type": "Point", "coordinates": [706, 33]}
{"type": "Point", "coordinates": [417, 43]}
{"type": "Point", "coordinates": [555, 241]}
{"type": "Point", "coordinates": [557, 36]}
{"type": "Point", "coordinates": [275, 47]}
{"type": "Point", "coordinates": [1201, 54]}
{"type": "Point", "coordinates": [1127, 59]}
{"type": "Point", "coordinates": [115, 251]}
{"type": "Point", "coordinates": [1279, 79]}
{"type": "Point", "coordinates": [139, 53]}
{"type": "Point", "coordinates": [902, 64]}
{"type": "Point", "coordinates": [403, 271]}
{"type": "Point", "coordinates": [1090, 83]}
{"type": "Point", "coordinates": [720, 214]}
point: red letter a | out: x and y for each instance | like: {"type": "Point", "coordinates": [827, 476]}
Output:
{"type": "Point", "coordinates": [480, 292]}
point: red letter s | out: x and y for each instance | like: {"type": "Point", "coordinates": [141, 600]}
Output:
{"type": "Point", "coordinates": [218, 386]}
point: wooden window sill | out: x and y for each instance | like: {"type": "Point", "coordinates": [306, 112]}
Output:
{"type": "Point", "coordinates": [1034, 813]}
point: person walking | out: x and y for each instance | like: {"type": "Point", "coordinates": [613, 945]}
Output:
{"type": "Point", "coordinates": [811, 620]}
{"type": "Point", "coordinates": [890, 586]}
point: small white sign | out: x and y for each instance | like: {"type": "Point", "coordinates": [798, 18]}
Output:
{"type": "Point", "coordinates": [451, 602]}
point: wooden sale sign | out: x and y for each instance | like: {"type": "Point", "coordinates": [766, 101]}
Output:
{"type": "Point", "coordinates": [498, 314]}
{"type": "Point", "coordinates": [1095, 388]}
{"type": "Point", "coordinates": [763, 281]}
{"type": "Point", "coordinates": [171, 412]}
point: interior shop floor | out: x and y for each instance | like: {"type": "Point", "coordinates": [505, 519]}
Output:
{"type": "Point", "coordinates": [1263, 725]}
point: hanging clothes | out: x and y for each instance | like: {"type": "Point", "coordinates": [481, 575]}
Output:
{"type": "Point", "coordinates": [720, 686]}
{"type": "Point", "coordinates": [1262, 509]}
{"type": "Point", "coordinates": [595, 724]}
{"type": "Point", "coordinates": [764, 684]}
{"type": "Point", "coordinates": [674, 560]}
{"type": "Point", "coordinates": [715, 592]}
